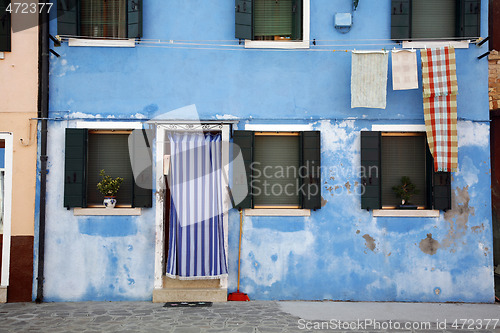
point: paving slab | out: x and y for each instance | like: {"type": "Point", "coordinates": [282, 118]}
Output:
{"type": "Point", "coordinates": [252, 317]}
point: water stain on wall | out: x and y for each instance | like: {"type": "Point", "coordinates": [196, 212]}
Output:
{"type": "Point", "coordinates": [323, 201]}
{"type": "Point", "coordinates": [458, 216]}
{"type": "Point", "coordinates": [370, 242]}
{"type": "Point", "coordinates": [429, 245]}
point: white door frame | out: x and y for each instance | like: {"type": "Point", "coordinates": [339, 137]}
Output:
{"type": "Point", "coordinates": [7, 227]}
{"type": "Point", "coordinates": [160, 259]}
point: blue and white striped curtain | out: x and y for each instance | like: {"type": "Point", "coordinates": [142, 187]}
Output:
{"type": "Point", "coordinates": [196, 232]}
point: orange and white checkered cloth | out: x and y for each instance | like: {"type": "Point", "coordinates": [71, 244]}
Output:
{"type": "Point", "coordinates": [440, 89]}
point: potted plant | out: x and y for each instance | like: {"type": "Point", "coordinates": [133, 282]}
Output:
{"type": "Point", "coordinates": [405, 190]}
{"type": "Point", "coordinates": [109, 187]}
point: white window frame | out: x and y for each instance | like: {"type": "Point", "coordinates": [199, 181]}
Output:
{"type": "Point", "coordinates": [302, 44]}
{"type": "Point", "coordinates": [7, 222]}
{"type": "Point", "coordinates": [398, 212]}
{"type": "Point", "coordinates": [99, 211]}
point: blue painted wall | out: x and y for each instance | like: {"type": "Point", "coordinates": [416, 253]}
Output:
{"type": "Point", "coordinates": [329, 255]}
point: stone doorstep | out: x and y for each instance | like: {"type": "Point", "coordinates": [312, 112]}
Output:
{"type": "Point", "coordinates": [3, 294]}
{"type": "Point", "coordinates": [190, 295]}
{"type": "Point", "coordinates": [169, 283]}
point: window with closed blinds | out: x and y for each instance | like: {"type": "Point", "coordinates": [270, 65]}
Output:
{"type": "Point", "coordinates": [275, 170]}
{"type": "Point", "coordinates": [273, 19]}
{"type": "Point", "coordinates": [109, 152]}
{"type": "Point", "coordinates": [103, 18]}
{"type": "Point", "coordinates": [403, 156]}
{"type": "Point", "coordinates": [433, 19]}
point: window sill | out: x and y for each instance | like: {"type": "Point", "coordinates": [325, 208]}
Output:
{"type": "Point", "coordinates": [405, 213]}
{"type": "Point", "coordinates": [265, 44]}
{"type": "Point", "coordinates": [458, 44]}
{"type": "Point", "coordinates": [277, 212]}
{"type": "Point", "coordinates": [101, 42]}
{"type": "Point", "coordinates": [106, 211]}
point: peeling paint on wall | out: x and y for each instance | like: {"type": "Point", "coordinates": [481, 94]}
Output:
{"type": "Point", "coordinates": [370, 242]}
{"type": "Point", "coordinates": [429, 245]}
{"type": "Point", "coordinates": [458, 216]}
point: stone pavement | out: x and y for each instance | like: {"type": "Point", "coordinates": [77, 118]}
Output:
{"type": "Point", "coordinates": [255, 316]}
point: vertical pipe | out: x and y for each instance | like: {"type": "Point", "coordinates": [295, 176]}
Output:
{"type": "Point", "coordinates": [43, 107]}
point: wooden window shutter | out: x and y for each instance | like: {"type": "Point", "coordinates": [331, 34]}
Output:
{"type": "Point", "coordinates": [245, 141]}
{"type": "Point", "coordinates": [141, 148]}
{"type": "Point", "coordinates": [400, 19]}
{"type": "Point", "coordinates": [134, 18]}
{"type": "Point", "coordinates": [468, 18]}
{"type": "Point", "coordinates": [5, 27]}
{"type": "Point", "coordinates": [311, 169]}
{"type": "Point", "coordinates": [68, 18]}
{"type": "Point", "coordinates": [75, 165]}
{"type": "Point", "coordinates": [438, 185]}
{"type": "Point", "coordinates": [243, 19]}
{"type": "Point", "coordinates": [370, 170]}
{"type": "Point", "coordinates": [297, 13]}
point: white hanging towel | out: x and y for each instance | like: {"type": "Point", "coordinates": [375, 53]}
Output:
{"type": "Point", "coordinates": [369, 79]}
{"type": "Point", "coordinates": [404, 70]}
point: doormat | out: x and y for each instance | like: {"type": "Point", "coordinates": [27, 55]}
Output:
{"type": "Point", "coordinates": [187, 304]}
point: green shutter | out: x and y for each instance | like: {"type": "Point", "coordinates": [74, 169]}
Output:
{"type": "Point", "coordinates": [439, 186]}
{"type": "Point", "coordinates": [134, 18]}
{"type": "Point", "coordinates": [243, 19]}
{"type": "Point", "coordinates": [75, 163]}
{"type": "Point", "coordinates": [141, 159]}
{"type": "Point", "coordinates": [469, 17]}
{"type": "Point", "coordinates": [272, 18]}
{"type": "Point", "coordinates": [400, 19]}
{"type": "Point", "coordinates": [442, 190]}
{"type": "Point", "coordinates": [5, 27]}
{"type": "Point", "coordinates": [297, 16]}
{"type": "Point", "coordinates": [370, 170]}
{"type": "Point", "coordinates": [68, 18]}
{"type": "Point", "coordinates": [311, 164]}
{"type": "Point", "coordinates": [244, 141]}
{"type": "Point", "coordinates": [429, 177]}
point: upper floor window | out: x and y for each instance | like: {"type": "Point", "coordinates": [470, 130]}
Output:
{"type": "Point", "coordinates": [100, 19]}
{"type": "Point", "coordinates": [272, 20]}
{"type": "Point", "coordinates": [430, 19]}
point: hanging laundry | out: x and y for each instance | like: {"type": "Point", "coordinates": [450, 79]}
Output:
{"type": "Point", "coordinates": [369, 79]}
{"type": "Point", "coordinates": [440, 89]}
{"type": "Point", "coordinates": [404, 70]}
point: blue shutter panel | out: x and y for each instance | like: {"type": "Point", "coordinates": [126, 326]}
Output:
{"type": "Point", "coordinates": [243, 19]}
{"type": "Point", "coordinates": [400, 19]}
{"type": "Point", "coordinates": [134, 18]}
{"type": "Point", "coordinates": [245, 141]}
{"type": "Point", "coordinates": [371, 170]}
{"type": "Point", "coordinates": [311, 162]}
{"type": "Point", "coordinates": [5, 27]}
{"type": "Point", "coordinates": [75, 164]}
{"type": "Point", "coordinates": [68, 17]}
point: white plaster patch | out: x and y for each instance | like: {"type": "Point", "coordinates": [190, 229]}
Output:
{"type": "Point", "coordinates": [473, 134]}
{"type": "Point", "coordinates": [257, 262]}
{"type": "Point", "coordinates": [138, 116]}
{"type": "Point", "coordinates": [418, 279]}
{"type": "Point", "coordinates": [81, 115]}
{"type": "Point", "coordinates": [468, 172]}
{"type": "Point", "coordinates": [225, 116]}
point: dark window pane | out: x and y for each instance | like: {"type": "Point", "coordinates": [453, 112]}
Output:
{"type": "Point", "coordinates": [433, 19]}
{"type": "Point", "coordinates": [273, 19]}
{"type": "Point", "coordinates": [403, 156]}
{"type": "Point", "coordinates": [103, 18]}
{"type": "Point", "coordinates": [276, 160]}
{"type": "Point", "coordinates": [109, 152]}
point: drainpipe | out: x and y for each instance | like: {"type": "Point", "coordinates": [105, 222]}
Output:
{"type": "Point", "coordinates": [43, 107]}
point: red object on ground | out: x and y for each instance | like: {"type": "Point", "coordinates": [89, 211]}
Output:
{"type": "Point", "coordinates": [237, 296]}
